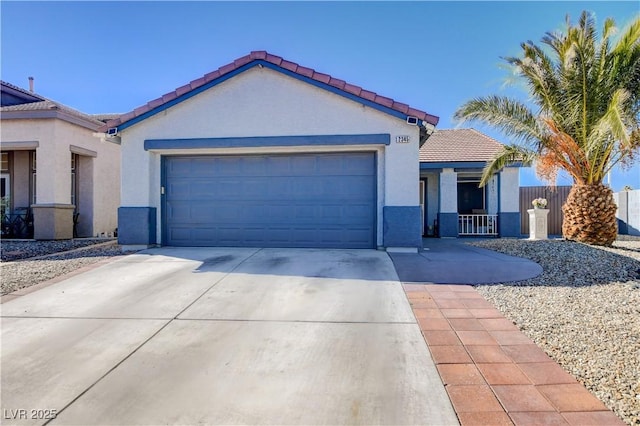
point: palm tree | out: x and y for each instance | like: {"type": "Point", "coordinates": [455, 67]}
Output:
{"type": "Point", "coordinates": [583, 117]}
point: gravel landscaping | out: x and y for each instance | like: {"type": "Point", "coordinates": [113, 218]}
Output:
{"type": "Point", "coordinates": [583, 310]}
{"type": "Point", "coordinates": [18, 249]}
{"type": "Point", "coordinates": [25, 273]}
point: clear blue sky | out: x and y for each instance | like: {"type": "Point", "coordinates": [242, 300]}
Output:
{"type": "Point", "coordinates": [114, 56]}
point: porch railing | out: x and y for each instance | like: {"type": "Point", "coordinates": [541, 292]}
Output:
{"type": "Point", "coordinates": [478, 224]}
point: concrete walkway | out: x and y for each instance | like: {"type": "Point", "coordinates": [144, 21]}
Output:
{"type": "Point", "coordinates": [451, 261]}
{"type": "Point", "coordinates": [222, 336]}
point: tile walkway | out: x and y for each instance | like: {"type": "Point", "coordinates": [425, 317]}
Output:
{"type": "Point", "coordinates": [493, 373]}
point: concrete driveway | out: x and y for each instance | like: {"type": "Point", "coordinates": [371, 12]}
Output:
{"type": "Point", "coordinates": [222, 336]}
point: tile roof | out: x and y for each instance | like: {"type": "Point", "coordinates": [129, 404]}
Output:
{"type": "Point", "coordinates": [44, 105]}
{"type": "Point", "coordinates": [459, 145]}
{"type": "Point", "coordinates": [267, 58]}
{"type": "Point", "coordinates": [21, 90]}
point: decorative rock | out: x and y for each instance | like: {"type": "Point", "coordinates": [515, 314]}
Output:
{"type": "Point", "coordinates": [582, 310]}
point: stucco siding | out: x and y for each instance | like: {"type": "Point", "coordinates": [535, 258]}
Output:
{"type": "Point", "coordinates": [263, 102]}
{"type": "Point", "coordinates": [53, 157]}
{"type": "Point", "coordinates": [510, 190]}
{"type": "Point", "coordinates": [448, 191]}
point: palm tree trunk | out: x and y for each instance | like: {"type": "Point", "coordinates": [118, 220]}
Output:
{"type": "Point", "coordinates": [590, 215]}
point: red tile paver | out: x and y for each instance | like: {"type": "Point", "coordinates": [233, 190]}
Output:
{"type": "Point", "coordinates": [427, 313]}
{"type": "Point", "coordinates": [450, 304]}
{"type": "Point", "coordinates": [439, 295]}
{"type": "Point", "coordinates": [485, 312]}
{"type": "Point", "coordinates": [477, 304]}
{"type": "Point", "coordinates": [498, 324]}
{"type": "Point", "coordinates": [494, 418]}
{"type": "Point", "coordinates": [486, 354]}
{"type": "Point", "coordinates": [503, 374]}
{"type": "Point", "coordinates": [473, 398]}
{"type": "Point", "coordinates": [450, 355]}
{"type": "Point", "coordinates": [456, 313]}
{"type": "Point", "coordinates": [526, 353]}
{"type": "Point", "coordinates": [538, 418]}
{"type": "Point", "coordinates": [511, 338]}
{"type": "Point", "coordinates": [460, 374]}
{"type": "Point", "coordinates": [440, 337]}
{"type": "Point", "coordinates": [476, 338]}
{"type": "Point", "coordinates": [493, 373]}
{"type": "Point", "coordinates": [521, 398]}
{"type": "Point", "coordinates": [468, 324]}
{"type": "Point", "coordinates": [433, 324]}
{"type": "Point", "coordinates": [546, 373]}
{"type": "Point", "coordinates": [571, 397]}
{"type": "Point", "coordinates": [593, 418]}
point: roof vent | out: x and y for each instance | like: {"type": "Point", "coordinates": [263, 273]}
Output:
{"type": "Point", "coordinates": [31, 84]}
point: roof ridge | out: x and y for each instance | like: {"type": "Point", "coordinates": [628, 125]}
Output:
{"type": "Point", "coordinates": [278, 61]}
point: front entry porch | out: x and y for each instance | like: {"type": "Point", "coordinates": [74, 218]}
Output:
{"type": "Point", "coordinates": [455, 205]}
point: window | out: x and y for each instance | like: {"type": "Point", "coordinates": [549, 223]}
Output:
{"type": "Point", "coordinates": [5, 162]}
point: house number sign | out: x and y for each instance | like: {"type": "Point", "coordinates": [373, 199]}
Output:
{"type": "Point", "coordinates": [403, 139]}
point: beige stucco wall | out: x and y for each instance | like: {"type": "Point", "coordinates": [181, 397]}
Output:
{"type": "Point", "coordinates": [55, 138]}
{"type": "Point", "coordinates": [263, 102]}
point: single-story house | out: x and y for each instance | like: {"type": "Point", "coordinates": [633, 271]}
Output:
{"type": "Point", "coordinates": [453, 203]}
{"type": "Point", "coordinates": [264, 152]}
{"type": "Point", "coordinates": [55, 172]}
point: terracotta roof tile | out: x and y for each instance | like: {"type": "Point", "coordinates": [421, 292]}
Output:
{"type": "Point", "coordinates": [400, 107]}
{"type": "Point", "coordinates": [307, 72]}
{"type": "Point", "coordinates": [168, 97]}
{"type": "Point", "coordinates": [370, 96]}
{"type": "Point", "coordinates": [258, 54]}
{"type": "Point", "coordinates": [227, 68]}
{"type": "Point", "coordinates": [276, 60]}
{"type": "Point", "coordinates": [388, 102]}
{"type": "Point", "coordinates": [290, 66]}
{"type": "Point", "coordinates": [141, 110]}
{"type": "Point", "coordinates": [197, 83]}
{"type": "Point", "coordinates": [211, 76]}
{"type": "Point", "coordinates": [183, 89]}
{"type": "Point", "coordinates": [322, 78]}
{"type": "Point", "coordinates": [356, 90]}
{"type": "Point", "coordinates": [155, 103]}
{"type": "Point", "coordinates": [126, 117]}
{"type": "Point", "coordinates": [337, 83]}
{"type": "Point", "coordinates": [459, 145]}
{"type": "Point", "coordinates": [242, 61]}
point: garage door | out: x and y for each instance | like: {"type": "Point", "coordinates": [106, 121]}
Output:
{"type": "Point", "coordinates": [305, 200]}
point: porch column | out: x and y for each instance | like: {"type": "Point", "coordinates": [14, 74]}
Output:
{"type": "Point", "coordinates": [448, 213]}
{"type": "Point", "coordinates": [509, 215]}
{"type": "Point", "coordinates": [53, 212]}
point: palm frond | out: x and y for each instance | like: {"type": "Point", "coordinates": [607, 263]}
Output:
{"type": "Point", "coordinates": [512, 117]}
{"type": "Point", "coordinates": [510, 154]}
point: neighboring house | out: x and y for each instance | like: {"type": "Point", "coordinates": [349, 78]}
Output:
{"type": "Point", "coordinates": [54, 170]}
{"type": "Point", "coordinates": [266, 153]}
{"type": "Point", "coordinates": [452, 201]}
